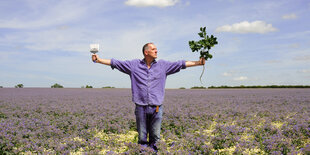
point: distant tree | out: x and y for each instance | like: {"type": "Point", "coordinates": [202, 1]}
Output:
{"type": "Point", "coordinates": [82, 86]}
{"type": "Point", "coordinates": [108, 87]}
{"type": "Point", "coordinates": [1, 86]}
{"type": "Point", "coordinates": [19, 86]}
{"type": "Point", "coordinates": [87, 86]}
{"type": "Point", "coordinates": [182, 88]}
{"type": "Point", "coordinates": [56, 85]}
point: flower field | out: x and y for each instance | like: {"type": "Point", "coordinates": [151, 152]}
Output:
{"type": "Point", "coordinates": [102, 121]}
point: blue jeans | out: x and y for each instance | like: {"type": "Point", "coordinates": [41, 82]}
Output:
{"type": "Point", "coordinates": [148, 122]}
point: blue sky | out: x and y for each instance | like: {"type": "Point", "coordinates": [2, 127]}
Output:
{"type": "Point", "coordinates": [261, 42]}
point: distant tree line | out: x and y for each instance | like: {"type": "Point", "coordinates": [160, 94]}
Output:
{"type": "Point", "coordinates": [197, 87]}
{"type": "Point", "coordinates": [108, 87]}
{"type": "Point", "coordinates": [87, 86]}
{"type": "Point", "coordinates": [56, 85]}
{"type": "Point", "coordinates": [258, 86]}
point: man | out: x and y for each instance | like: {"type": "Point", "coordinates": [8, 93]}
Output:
{"type": "Point", "coordinates": [148, 78]}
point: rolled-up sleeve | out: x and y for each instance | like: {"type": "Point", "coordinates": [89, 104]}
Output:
{"type": "Point", "coordinates": [174, 67]}
{"type": "Point", "coordinates": [123, 66]}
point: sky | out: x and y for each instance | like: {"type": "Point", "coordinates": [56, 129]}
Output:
{"type": "Point", "coordinates": [263, 42]}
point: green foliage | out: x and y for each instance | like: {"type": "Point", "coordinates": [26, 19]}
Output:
{"type": "Point", "coordinates": [1, 86]}
{"type": "Point", "coordinates": [56, 85]}
{"type": "Point", "coordinates": [182, 88]}
{"type": "Point", "coordinates": [2, 115]}
{"type": "Point", "coordinates": [204, 45]}
{"type": "Point", "coordinates": [19, 86]}
{"type": "Point", "coordinates": [87, 86]}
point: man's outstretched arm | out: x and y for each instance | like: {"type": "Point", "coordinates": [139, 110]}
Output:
{"type": "Point", "coordinates": [202, 61]}
{"type": "Point", "coordinates": [96, 59]}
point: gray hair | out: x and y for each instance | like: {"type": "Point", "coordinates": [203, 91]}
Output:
{"type": "Point", "coordinates": [146, 47]}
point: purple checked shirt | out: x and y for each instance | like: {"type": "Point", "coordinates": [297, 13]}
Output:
{"type": "Point", "coordinates": [148, 85]}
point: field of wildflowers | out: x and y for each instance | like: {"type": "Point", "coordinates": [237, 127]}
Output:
{"type": "Point", "coordinates": [102, 121]}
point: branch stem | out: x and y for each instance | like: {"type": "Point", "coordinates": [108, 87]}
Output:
{"type": "Point", "coordinates": [203, 70]}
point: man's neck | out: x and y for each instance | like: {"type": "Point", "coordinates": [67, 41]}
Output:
{"type": "Point", "coordinates": [148, 61]}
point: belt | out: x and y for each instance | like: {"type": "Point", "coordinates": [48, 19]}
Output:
{"type": "Point", "coordinates": [157, 106]}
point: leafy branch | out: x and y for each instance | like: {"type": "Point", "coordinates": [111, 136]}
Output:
{"type": "Point", "coordinates": [203, 46]}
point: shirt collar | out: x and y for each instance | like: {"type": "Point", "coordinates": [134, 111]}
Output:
{"type": "Point", "coordinates": [144, 62]}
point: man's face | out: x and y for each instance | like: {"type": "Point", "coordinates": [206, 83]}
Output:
{"type": "Point", "coordinates": [152, 51]}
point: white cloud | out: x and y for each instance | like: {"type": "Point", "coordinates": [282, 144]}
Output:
{"type": "Point", "coordinates": [67, 38]}
{"type": "Point", "coordinates": [226, 1]}
{"type": "Point", "coordinates": [226, 74]}
{"type": "Point", "coordinates": [305, 71]}
{"type": "Point", "coordinates": [230, 73]}
{"type": "Point", "coordinates": [302, 58]}
{"type": "Point", "coordinates": [247, 27]}
{"type": "Point", "coordinates": [273, 61]}
{"type": "Point", "coordinates": [241, 78]}
{"type": "Point", "coordinates": [41, 15]}
{"type": "Point", "coordinates": [148, 3]}
{"type": "Point", "coordinates": [235, 75]}
{"type": "Point", "coordinates": [289, 16]}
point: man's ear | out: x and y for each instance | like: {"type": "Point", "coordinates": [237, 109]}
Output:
{"type": "Point", "coordinates": [145, 52]}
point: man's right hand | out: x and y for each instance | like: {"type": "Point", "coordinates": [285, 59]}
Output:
{"type": "Point", "coordinates": [94, 57]}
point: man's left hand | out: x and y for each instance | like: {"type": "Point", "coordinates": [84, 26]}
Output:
{"type": "Point", "coordinates": [202, 61]}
